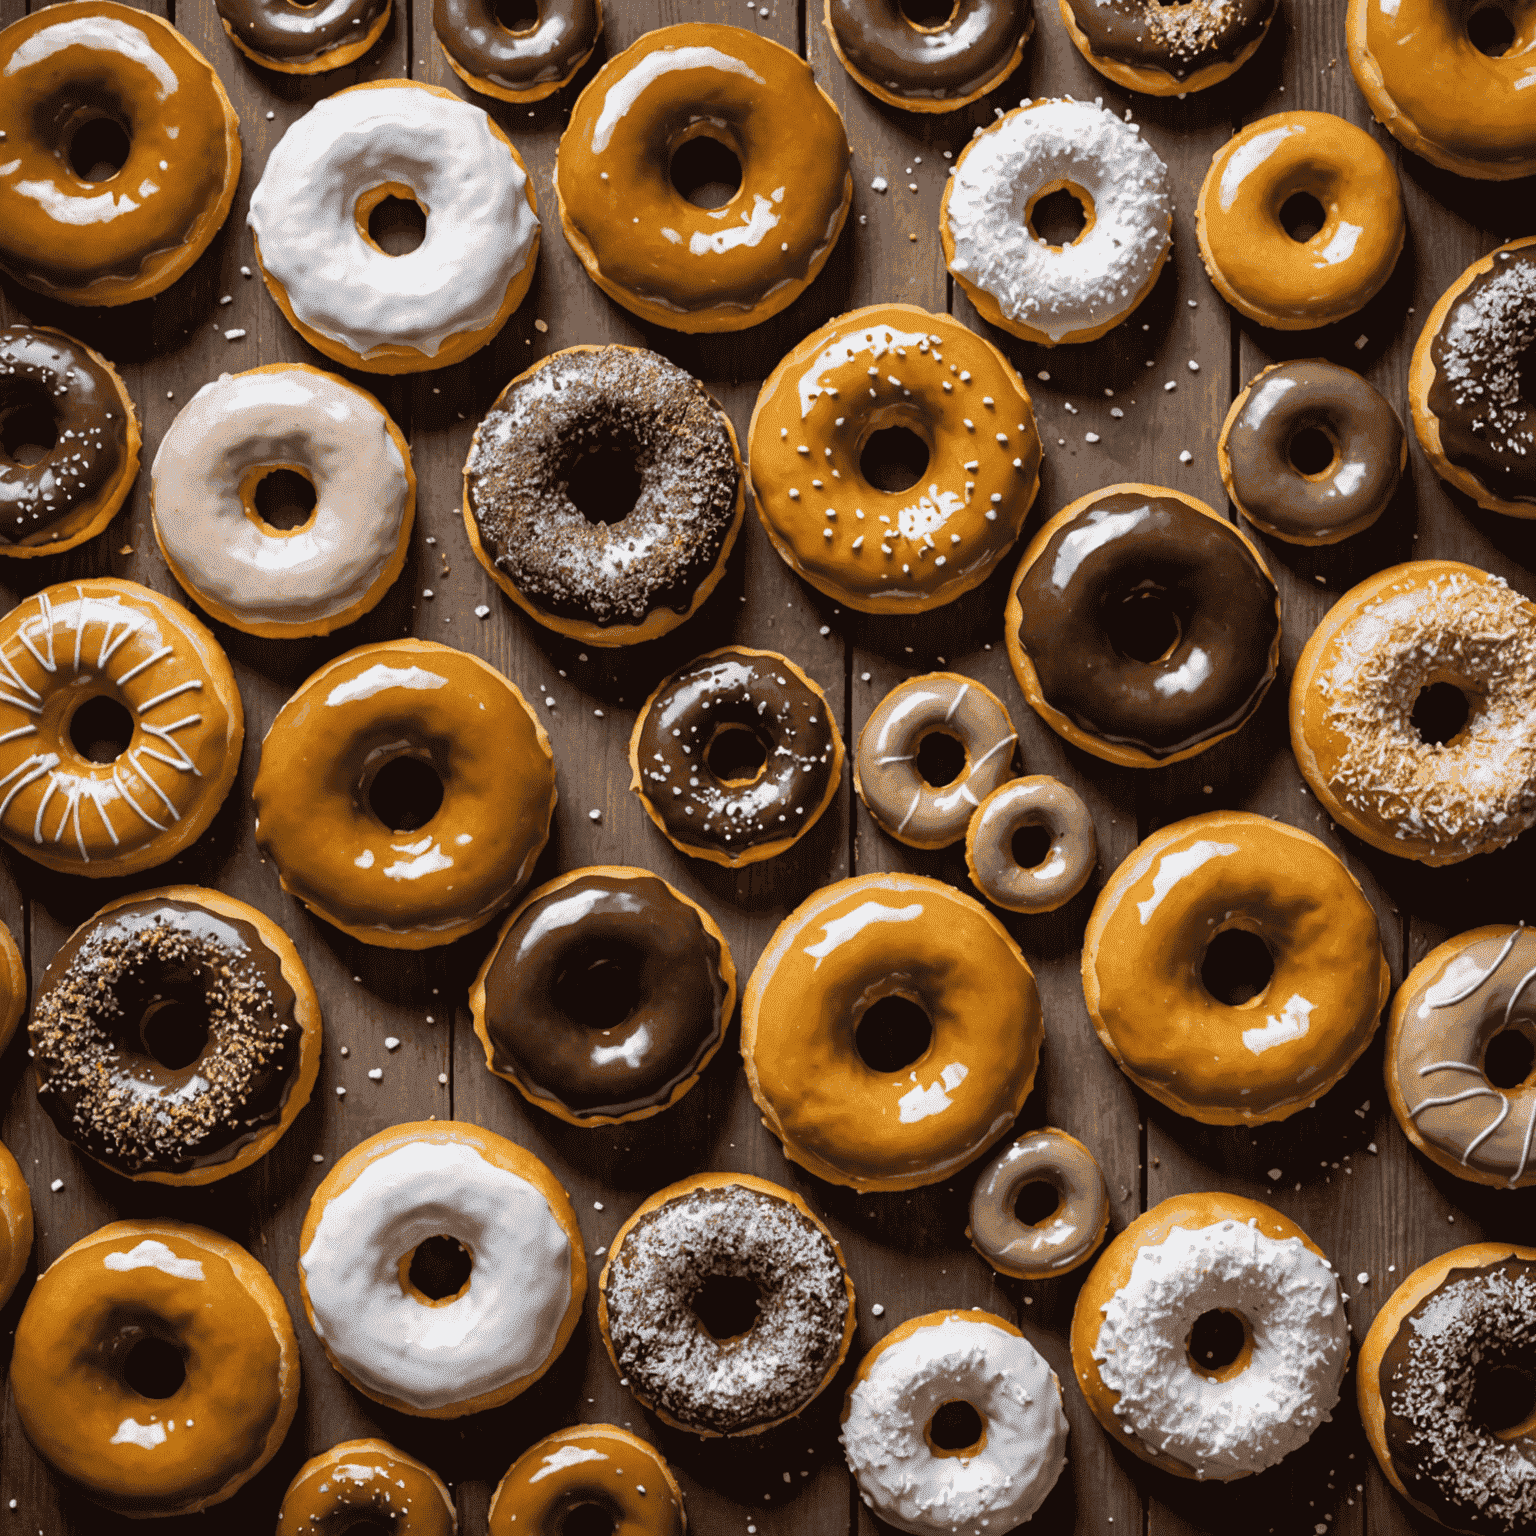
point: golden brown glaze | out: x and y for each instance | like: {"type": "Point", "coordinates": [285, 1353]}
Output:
{"type": "Point", "coordinates": [15, 1224]}
{"type": "Point", "coordinates": [1060, 1241]}
{"type": "Point", "coordinates": [363, 1484]}
{"type": "Point", "coordinates": [13, 986]}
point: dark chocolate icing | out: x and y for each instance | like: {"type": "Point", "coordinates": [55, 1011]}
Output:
{"type": "Point", "coordinates": [946, 63]}
{"type": "Point", "coordinates": [1177, 39]}
{"type": "Point", "coordinates": [297, 34]}
{"type": "Point", "coordinates": [550, 51]}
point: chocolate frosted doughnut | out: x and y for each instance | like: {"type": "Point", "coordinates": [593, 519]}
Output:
{"type": "Point", "coordinates": [517, 66]}
{"type": "Point", "coordinates": [300, 39]}
{"type": "Point", "coordinates": [1167, 49]}
{"type": "Point", "coordinates": [1069, 858]}
{"type": "Point", "coordinates": [1058, 1242]}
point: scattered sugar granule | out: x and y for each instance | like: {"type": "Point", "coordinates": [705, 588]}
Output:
{"type": "Point", "coordinates": [57, 1185]}
{"type": "Point", "coordinates": [594, 815]}
{"type": "Point", "coordinates": [482, 611]}
{"type": "Point", "coordinates": [391, 1042]}
{"type": "Point", "coordinates": [234, 335]}
{"type": "Point", "coordinates": [541, 326]}
{"type": "Point", "coordinates": [879, 184]}
{"type": "Point", "coordinates": [376, 1074]}
{"type": "Point", "coordinates": [1186, 457]}
{"type": "Point", "coordinates": [878, 1310]}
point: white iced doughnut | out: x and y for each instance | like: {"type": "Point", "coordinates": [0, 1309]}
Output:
{"type": "Point", "coordinates": [982, 1490]}
{"type": "Point", "coordinates": [1049, 293]}
{"type": "Point", "coordinates": [431, 306]}
{"type": "Point", "coordinates": [317, 577]}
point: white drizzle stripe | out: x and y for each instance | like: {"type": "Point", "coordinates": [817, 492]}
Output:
{"type": "Point", "coordinates": [1487, 1130]}
{"type": "Point", "coordinates": [1477, 984]}
{"type": "Point", "coordinates": [1450, 1066]}
{"type": "Point", "coordinates": [1454, 1098]}
{"type": "Point", "coordinates": [170, 693]}
{"type": "Point", "coordinates": [149, 661]}
{"type": "Point", "coordinates": [1514, 997]}
{"type": "Point", "coordinates": [1525, 1149]}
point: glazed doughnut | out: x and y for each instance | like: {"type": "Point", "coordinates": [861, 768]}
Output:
{"type": "Point", "coordinates": [1461, 997]}
{"type": "Point", "coordinates": [366, 1480]}
{"type": "Point", "coordinates": [441, 1357]}
{"type": "Point", "coordinates": [725, 1226]}
{"type": "Point", "coordinates": [642, 242]}
{"type": "Point", "coordinates": [1060, 1241]}
{"type": "Point", "coordinates": [1358, 681]}
{"type": "Point", "coordinates": [1131, 1337]}
{"type": "Point", "coordinates": [1167, 51]}
{"type": "Point", "coordinates": [1469, 408]}
{"type": "Point", "coordinates": [1063, 869]}
{"type": "Point", "coordinates": [525, 65]}
{"type": "Point", "coordinates": [68, 67]}
{"type": "Point", "coordinates": [1051, 293]}
{"type": "Point", "coordinates": [13, 987]}
{"type": "Point", "coordinates": [73, 491]}
{"type": "Point", "coordinates": [906, 1475]}
{"type": "Point", "coordinates": [344, 295]}
{"type": "Point", "coordinates": [847, 949]}
{"type": "Point", "coordinates": [893, 367]}
{"type": "Point", "coordinates": [885, 772]}
{"type": "Point", "coordinates": [112, 1079]}
{"type": "Point", "coordinates": [299, 39]}
{"type": "Point", "coordinates": [1451, 1325]}
{"type": "Point", "coordinates": [308, 580]}
{"type": "Point", "coordinates": [80, 1357]}
{"type": "Point", "coordinates": [1344, 495]}
{"type": "Point", "coordinates": [15, 1224]}
{"type": "Point", "coordinates": [1149, 939]}
{"type": "Point", "coordinates": [1251, 257]}
{"type": "Point", "coordinates": [644, 568]}
{"type": "Point", "coordinates": [80, 641]}
{"type": "Point", "coordinates": [759, 744]}
{"type": "Point", "coordinates": [430, 881]}
{"type": "Point", "coordinates": [589, 1466]}
{"type": "Point", "coordinates": [1142, 626]}
{"type": "Point", "coordinates": [605, 996]}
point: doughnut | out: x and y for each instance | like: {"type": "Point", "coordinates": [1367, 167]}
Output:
{"type": "Point", "coordinates": [876, 938]}
{"type": "Point", "coordinates": [1070, 856]}
{"type": "Point", "coordinates": [1134, 1333]}
{"type": "Point", "coordinates": [1060, 1240]}
{"type": "Point", "coordinates": [725, 1227]}
{"type": "Point", "coordinates": [1264, 429]}
{"type": "Point", "coordinates": [1142, 626]}
{"type": "Point", "coordinates": [1257, 265]}
{"type": "Point", "coordinates": [556, 433]}
{"type": "Point", "coordinates": [770, 756]}
{"type": "Point", "coordinates": [1460, 998]}
{"type": "Point", "coordinates": [526, 65]}
{"type": "Point", "coordinates": [1434, 90]}
{"type": "Point", "coordinates": [605, 996]}
{"type": "Point", "coordinates": [916, 1481]}
{"type": "Point", "coordinates": [15, 1224]}
{"type": "Point", "coordinates": [345, 296]}
{"type": "Point", "coordinates": [73, 399]}
{"type": "Point", "coordinates": [150, 1304]}
{"type": "Point", "coordinates": [441, 1356]}
{"type": "Point", "coordinates": [308, 580]}
{"type": "Point", "coordinates": [326, 765]}
{"type": "Point", "coordinates": [366, 1481]}
{"type": "Point", "coordinates": [13, 988]}
{"type": "Point", "coordinates": [1353, 695]}
{"type": "Point", "coordinates": [90, 71]}
{"type": "Point", "coordinates": [1050, 293]}
{"type": "Point", "coordinates": [1450, 1331]}
{"type": "Point", "coordinates": [1470, 412]}
{"type": "Point", "coordinates": [597, 1467]}
{"type": "Point", "coordinates": [303, 39]}
{"type": "Point", "coordinates": [171, 695]}
{"type": "Point", "coordinates": [885, 771]}
{"type": "Point", "coordinates": [1167, 51]}
{"type": "Point", "coordinates": [1233, 1055]}
{"type": "Point", "coordinates": [893, 368]}
{"type": "Point", "coordinates": [680, 265]}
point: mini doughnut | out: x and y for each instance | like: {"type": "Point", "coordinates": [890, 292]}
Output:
{"type": "Point", "coordinates": [760, 749]}
{"type": "Point", "coordinates": [307, 580]}
{"type": "Point", "coordinates": [13, 987]}
{"type": "Point", "coordinates": [440, 1357]}
{"type": "Point", "coordinates": [1470, 412]}
{"type": "Point", "coordinates": [1069, 858]}
{"type": "Point", "coordinates": [646, 567]}
{"type": "Point", "coordinates": [1143, 627]}
{"type": "Point", "coordinates": [1149, 940]}
{"type": "Point", "coordinates": [1135, 1314]}
{"type": "Point", "coordinates": [1461, 997]}
{"type": "Point", "coordinates": [15, 1224]}
{"type": "Point", "coordinates": [1256, 265]}
{"type": "Point", "coordinates": [725, 1226]}
{"type": "Point", "coordinates": [916, 1483]}
{"type": "Point", "coordinates": [65, 648]}
{"type": "Point", "coordinates": [1345, 494]}
{"type": "Point", "coordinates": [836, 957]}
{"type": "Point", "coordinates": [605, 996]}
{"type": "Point", "coordinates": [366, 1481]}
{"type": "Point", "coordinates": [1050, 293]}
{"type": "Point", "coordinates": [1167, 50]}
{"type": "Point", "coordinates": [299, 39]}
{"type": "Point", "coordinates": [1057, 1243]}
{"type": "Point", "coordinates": [344, 295]}
{"type": "Point", "coordinates": [74, 490]}
{"type": "Point", "coordinates": [1353, 695]}
{"type": "Point", "coordinates": [893, 367]}
{"type": "Point", "coordinates": [642, 242]}
{"type": "Point", "coordinates": [428, 881]}
{"type": "Point", "coordinates": [526, 65]}
{"type": "Point", "coordinates": [885, 772]}
{"type": "Point", "coordinates": [130, 235]}
{"type": "Point", "coordinates": [80, 1358]}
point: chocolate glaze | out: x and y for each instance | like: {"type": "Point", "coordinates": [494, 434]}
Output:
{"type": "Point", "coordinates": [948, 63]}
{"type": "Point", "coordinates": [1066, 1238]}
{"type": "Point", "coordinates": [296, 34]}
{"type": "Point", "coordinates": [1178, 39]}
{"type": "Point", "coordinates": [1116, 550]}
{"type": "Point", "coordinates": [551, 51]}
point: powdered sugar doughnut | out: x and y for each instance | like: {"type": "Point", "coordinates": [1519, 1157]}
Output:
{"type": "Point", "coordinates": [1053, 293]}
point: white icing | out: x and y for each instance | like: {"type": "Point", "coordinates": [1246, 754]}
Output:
{"type": "Point", "coordinates": [1008, 1383]}
{"type": "Point", "coordinates": [1247, 158]}
{"type": "Point", "coordinates": [1174, 867]}
{"type": "Point", "coordinates": [632, 85]}
{"type": "Point", "coordinates": [840, 930]}
{"type": "Point", "coordinates": [565, 1456]}
{"type": "Point", "coordinates": [919, 1103]}
{"type": "Point", "coordinates": [877, 340]}
{"type": "Point", "coordinates": [145, 1436]}
{"type": "Point", "coordinates": [1291, 1023]}
{"type": "Point", "coordinates": [501, 1328]}
{"type": "Point", "coordinates": [480, 229]}
{"type": "Point", "coordinates": [152, 1254]}
{"type": "Point", "coordinates": [380, 678]}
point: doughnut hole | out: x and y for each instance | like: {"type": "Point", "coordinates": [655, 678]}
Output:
{"type": "Point", "coordinates": [588, 1518]}
{"type": "Point", "coordinates": [365, 1522]}
{"type": "Point", "coordinates": [29, 432]}
{"type": "Point", "coordinates": [96, 145]}
{"type": "Point", "coordinates": [928, 15]}
{"type": "Point", "coordinates": [598, 985]}
{"type": "Point", "coordinates": [154, 1368]}
{"type": "Point", "coordinates": [1302, 216]}
{"type": "Point", "coordinates": [1236, 967]}
{"type": "Point", "coordinates": [941, 759]}
{"type": "Point", "coordinates": [735, 754]}
{"type": "Point", "coordinates": [174, 1032]}
{"type": "Point", "coordinates": [1440, 713]}
{"type": "Point", "coordinates": [1036, 1203]}
{"type": "Point", "coordinates": [436, 1271]}
{"type": "Point", "coordinates": [705, 170]}
{"type": "Point", "coordinates": [1510, 1056]}
{"type": "Point", "coordinates": [893, 1032]}
{"type": "Point", "coordinates": [727, 1306]}
{"type": "Point", "coordinates": [1490, 31]}
{"type": "Point", "coordinates": [1031, 846]}
{"type": "Point", "coordinates": [956, 1429]}
{"type": "Point", "coordinates": [1220, 1344]}
{"type": "Point", "coordinates": [1143, 624]}
{"type": "Point", "coordinates": [1504, 1400]}
{"type": "Point", "coordinates": [405, 793]}
{"type": "Point", "coordinates": [893, 458]}
{"type": "Point", "coordinates": [601, 481]}
{"type": "Point", "coordinates": [519, 17]}
{"type": "Point", "coordinates": [390, 219]}
{"type": "Point", "coordinates": [100, 728]}
{"type": "Point", "coordinates": [282, 501]}
{"type": "Point", "coordinates": [1313, 453]}
{"type": "Point", "coordinates": [1059, 214]}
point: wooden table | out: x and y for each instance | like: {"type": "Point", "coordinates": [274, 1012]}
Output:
{"type": "Point", "coordinates": [1343, 1170]}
